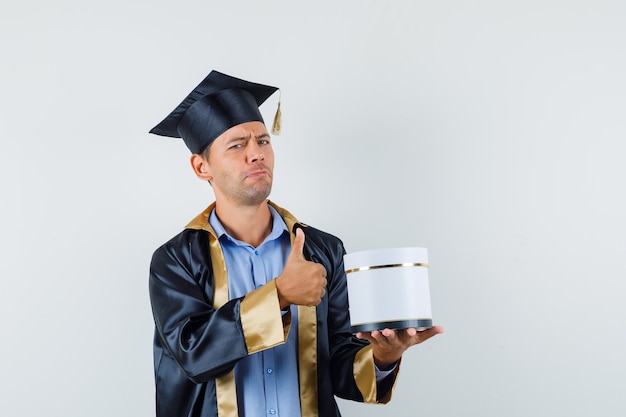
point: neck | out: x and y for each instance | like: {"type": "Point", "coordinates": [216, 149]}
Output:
{"type": "Point", "coordinates": [250, 224]}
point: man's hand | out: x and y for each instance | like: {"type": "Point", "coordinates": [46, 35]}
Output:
{"type": "Point", "coordinates": [302, 282]}
{"type": "Point", "coordinates": [389, 345]}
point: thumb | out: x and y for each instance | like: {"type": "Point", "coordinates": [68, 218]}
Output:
{"type": "Point", "coordinates": [298, 245]}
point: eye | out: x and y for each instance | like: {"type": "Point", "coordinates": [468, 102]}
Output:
{"type": "Point", "coordinates": [264, 142]}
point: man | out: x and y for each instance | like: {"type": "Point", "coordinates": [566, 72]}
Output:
{"type": "Point", "coordinates": [250, 305]}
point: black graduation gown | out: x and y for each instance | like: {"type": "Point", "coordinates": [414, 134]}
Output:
{"type": "Point", "coordinates": [190, 303]}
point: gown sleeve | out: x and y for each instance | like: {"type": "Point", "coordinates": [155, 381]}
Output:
{"type": "Point", "coordinates": [206, 342]}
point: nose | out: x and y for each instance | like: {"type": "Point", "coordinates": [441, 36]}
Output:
{"type": "Point", "coordinates": [255, 152]}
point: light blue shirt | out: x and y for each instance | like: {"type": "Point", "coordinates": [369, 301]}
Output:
{"type": "Point", "coordinates": [266, 381]}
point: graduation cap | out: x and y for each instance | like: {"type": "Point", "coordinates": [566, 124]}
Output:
{"type": "Point", "coordinates": [218, 103]}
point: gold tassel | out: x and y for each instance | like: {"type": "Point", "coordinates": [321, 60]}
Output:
{"type": "Point", "coordinates": [278, 119]}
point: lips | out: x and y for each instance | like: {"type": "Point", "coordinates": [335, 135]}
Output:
{"type": "Point", "coordinates": [257, 173]}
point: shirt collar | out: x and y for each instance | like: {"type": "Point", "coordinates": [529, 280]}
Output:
{"type": "Point", "coordinates": [278, 227]}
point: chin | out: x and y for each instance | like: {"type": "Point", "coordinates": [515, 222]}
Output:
{"type": "Point", "coordinates": [259, 197]}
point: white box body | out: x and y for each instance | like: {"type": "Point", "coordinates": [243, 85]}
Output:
{"type": "Point", "coordinates": [388, 288]}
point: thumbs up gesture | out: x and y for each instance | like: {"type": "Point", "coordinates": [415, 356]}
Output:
{"type": "Point", "coordinates": [302, 282]}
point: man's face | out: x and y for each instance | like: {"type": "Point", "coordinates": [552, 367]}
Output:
{"type": "Point", "coordinates": [241, 164]}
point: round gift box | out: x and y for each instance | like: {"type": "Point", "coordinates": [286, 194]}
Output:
{"type": "Point", "coordinates": [388, 288]}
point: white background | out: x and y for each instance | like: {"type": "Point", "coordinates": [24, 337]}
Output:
{"type": "Point", "coordinates": [490, 132]}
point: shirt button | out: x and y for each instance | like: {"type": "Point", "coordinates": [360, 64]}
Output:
{"type": "Point", "coordinates": [270, 370]}
{"type": "Point", "coordinates": [256, 252]}
{"type": "Point", "coordinates": [272, 411]}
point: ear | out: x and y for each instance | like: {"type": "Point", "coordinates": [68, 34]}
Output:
{"type": "Point", "coordinates": [201, 167]}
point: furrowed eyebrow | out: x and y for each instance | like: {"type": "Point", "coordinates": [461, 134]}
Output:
{"type": "Point", "coordinates": [247, 137]}
{"type": "Point", "coordinates": [237, 139]}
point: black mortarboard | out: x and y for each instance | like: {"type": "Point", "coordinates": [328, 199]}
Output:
{"type": "Point", "coordinates": [218, 103]}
